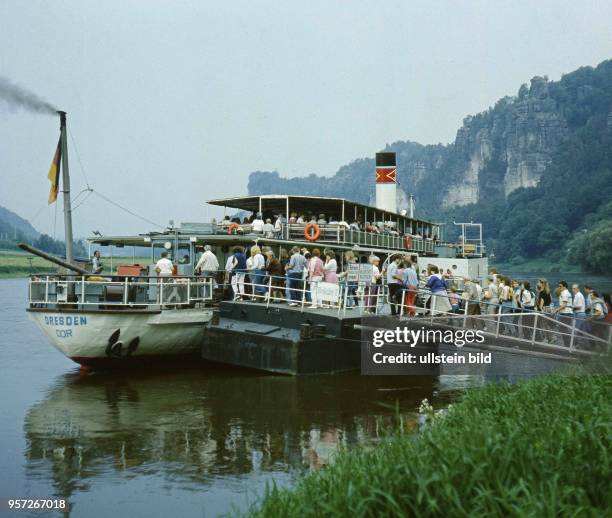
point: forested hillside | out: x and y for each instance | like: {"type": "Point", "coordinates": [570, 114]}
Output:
{"type": "Point", "coordinates": [14, 226]}
{"type": "Point", "coordinates": [15, 229]}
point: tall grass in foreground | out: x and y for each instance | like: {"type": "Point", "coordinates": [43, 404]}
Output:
{"type": "Point", "coordinates": [537, 448]}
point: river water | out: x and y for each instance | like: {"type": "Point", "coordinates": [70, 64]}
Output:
{"type": "Point", "coordinates": [196, 442]}
{"type": "Point", "coordinates": [199, 441]}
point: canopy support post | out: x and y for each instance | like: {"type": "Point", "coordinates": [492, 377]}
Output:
{"type": "Point", "coordinates": [287, 220]}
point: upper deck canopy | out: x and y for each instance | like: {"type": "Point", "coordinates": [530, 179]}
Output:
{"type": "Point", "coordinates": [339, 208]}
{"type": "Point", "coordinates": [386, 230]}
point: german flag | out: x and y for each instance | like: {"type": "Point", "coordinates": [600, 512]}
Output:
{"type": "Point", "coordinates": [53, 174]}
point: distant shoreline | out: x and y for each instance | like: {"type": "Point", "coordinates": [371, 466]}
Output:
{"type": "Point", "coordinates": [15, 264]}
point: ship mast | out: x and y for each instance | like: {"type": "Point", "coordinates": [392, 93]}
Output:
{"type": "Point", "coordinates": [66, 188]}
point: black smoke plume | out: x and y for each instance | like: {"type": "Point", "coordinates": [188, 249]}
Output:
{"type": "Point", "coordinates": [17, 96]}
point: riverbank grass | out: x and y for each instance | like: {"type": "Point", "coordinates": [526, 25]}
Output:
{"type": "Point", "coordinates": [536, 448]}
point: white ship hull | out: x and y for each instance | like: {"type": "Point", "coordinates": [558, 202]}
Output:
{"type": "Point", "coordinates": [101, 339]}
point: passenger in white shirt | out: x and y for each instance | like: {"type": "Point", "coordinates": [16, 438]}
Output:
{"type": "Point", "coordinates": [257, 272]}
{"type": "Point", "coordinates": [165, 269]}
{"type": "Point", "coordinates": [258, 224]}
{"type": "Point", "coordinates": [527, 301]}
{"type": "Point", "coordinates": [268, 228]}
{"type": "Point", "coordinates": [579, 303]}
{"type": "Point", "coordinates": [259, 262]}
{"type": "Point", "coordinates": [565, 300]}
{"type": "Point", "coordinates": [527, 320]}
{"type": "Point", "coordinates": [579, 307]}
{"type": "Point", "coordinates": [208, 263]}
{"type": "Point", "coordinates": [478, 289]}
{"type": "Point", "coordinates": [393, 283]}
{"type": "Point", "coordinates": [565, 310]}
{"type": "Point", "coordinates": [164, 266]}
{"type": "Point", "coordinates": [229, 266]}
{"type": "Point", "coordinates": [278, 224]}
{"type": "Point", "coordinates": [207, 266]}
{"type": "Point", "coordinates": [372, 288]}
{"type": "Point", "coordinates": [492, 296]}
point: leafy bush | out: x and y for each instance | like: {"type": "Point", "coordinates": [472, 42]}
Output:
{"type": "Point", "coordinates": [593, 248]}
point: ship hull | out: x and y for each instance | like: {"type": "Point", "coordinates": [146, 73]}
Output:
{"type": "Point", "coordinates": [109, 339]}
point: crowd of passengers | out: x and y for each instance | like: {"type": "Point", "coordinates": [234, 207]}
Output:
{"type": "Point", "coordinates": [270, 225]}
{"type": "Point", "coordinates": [504, 297]}
{"type": "Point", "coordinates": [509, 305]}
{"type": "Point", "coordinates": [294, 276]}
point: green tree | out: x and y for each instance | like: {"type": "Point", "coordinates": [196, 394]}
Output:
{"type": "Point", "coordinates": [592, 249]}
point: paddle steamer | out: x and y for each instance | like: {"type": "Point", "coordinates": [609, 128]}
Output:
{"type": "Point", "coordinates": [130, 315]}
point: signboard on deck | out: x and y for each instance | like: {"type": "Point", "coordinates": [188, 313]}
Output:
{"type": "Point", "coordinates": [352, 272]}
{"type": "Point", "coordinates": [328, 292]}
{"type": "Point", "coordinates": [365, 273]}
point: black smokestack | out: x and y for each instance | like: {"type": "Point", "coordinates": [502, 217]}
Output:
{"type": "Point", "coordinates": [385, 159]}
{"type": "Point", "coordinates": [20, 97]}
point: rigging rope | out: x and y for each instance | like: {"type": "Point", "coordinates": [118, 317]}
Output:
{"type": "Point", "coordinates": [89, 190]}
{"type": "Point", "coordinates": [74, 200]}
{"type": "Point", "coordinates": [127, 210]}
{"type": "Point", "coordinates": [33, 218]}
{"type": "Point", "coordinates": [76, 151]}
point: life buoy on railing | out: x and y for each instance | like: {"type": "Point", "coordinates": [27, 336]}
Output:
{"type": "Point", "coordinates": [317, 231]}
{"type": "Point", "coordinates": [408, 242]}
{"type": "Point", "coordinates": [231, 228]}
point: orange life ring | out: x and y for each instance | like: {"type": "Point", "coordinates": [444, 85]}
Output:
{"type": "Point", "coordinates": [408, 242]}
{"type": "Point", "coordinates": [231, 228]}
{"type": "Point", "coordinates": [317, 232]}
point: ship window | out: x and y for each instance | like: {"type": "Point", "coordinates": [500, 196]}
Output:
{"type": "Point", "coordinates": [183, 255]}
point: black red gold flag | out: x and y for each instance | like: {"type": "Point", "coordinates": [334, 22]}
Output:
{"type": "Point", "coordinates": [53, 174]}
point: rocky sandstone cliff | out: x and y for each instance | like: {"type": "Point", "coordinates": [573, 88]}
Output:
{"type": "Point", "coordinates": [508, 147]}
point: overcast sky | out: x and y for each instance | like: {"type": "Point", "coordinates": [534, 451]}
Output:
{"type": "Point", "coordinates": [172, 103]}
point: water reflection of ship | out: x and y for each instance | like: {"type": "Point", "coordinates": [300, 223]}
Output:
{"type": "Point", "coordinates": [197, 426]}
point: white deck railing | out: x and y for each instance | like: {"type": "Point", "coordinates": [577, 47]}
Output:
{"type": "Point", "coordinates": [99, 292]}
{"type": "Point", "coordinates": [523, 328]}
{"type": "Point", "coordinates": [340, 234]}
{"type": "Point", "coordinates": [532, 328]}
